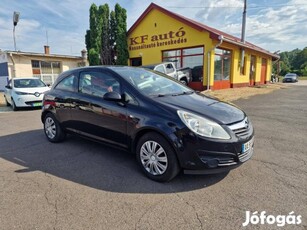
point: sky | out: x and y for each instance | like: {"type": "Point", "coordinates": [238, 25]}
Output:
{"type": "Point", "coordinates": [275, 25]}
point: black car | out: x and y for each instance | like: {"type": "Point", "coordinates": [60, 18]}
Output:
{"type": "Point", "coordinates": [166, 124]}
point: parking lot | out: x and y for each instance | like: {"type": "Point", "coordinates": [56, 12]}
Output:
{"type": "Point", "coordinates": [79, 184]}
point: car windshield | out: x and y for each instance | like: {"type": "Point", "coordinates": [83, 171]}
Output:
{"type": "Point", "coordinates": [151, 83]}
{"type": "Point", "coordinates": [28, 83]}
{"type": "Point", "coordinates": [290, 75]}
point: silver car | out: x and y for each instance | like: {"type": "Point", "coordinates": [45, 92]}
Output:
{"type": "Point", "coordinates": [290, 77]}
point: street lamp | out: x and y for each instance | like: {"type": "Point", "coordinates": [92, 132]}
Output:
{"type": "Point", "coordinates": [15, 21]}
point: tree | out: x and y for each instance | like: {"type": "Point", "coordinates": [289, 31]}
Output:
{"type": "Point", "coordinates": [300, 60]}
{"type": "Point", "coordinates": [107, 36]}
{"type": "Point", "coordinates": [121, 48]}
{"type": "Point", "coordinates": [294, 61]}
{"type": "Point", "coordinates": [92, 37]}
{"type": "Point", "coordinates": [105, 50]}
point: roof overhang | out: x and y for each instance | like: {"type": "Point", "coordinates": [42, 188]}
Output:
{"type": "Point", "coordinates": [41, 55]}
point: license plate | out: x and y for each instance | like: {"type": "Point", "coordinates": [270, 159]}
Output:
{"type": "Point", "coordinates": [247, 146]}
{"type": "Point", "coordinates": [37, 104]}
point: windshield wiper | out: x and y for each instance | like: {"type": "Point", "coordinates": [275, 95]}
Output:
{"type": "Point", "coordinates": [183, 93]}
{"type": "Point", "coordinates": [159, 95]}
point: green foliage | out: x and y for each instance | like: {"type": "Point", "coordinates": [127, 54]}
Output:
{"type": "Point", "coordinates": [293, 61]}
{"type": "Point", "coordinates": [120, 35]}
{"type": "Point", "coordinates": [105, 51]}
{"type": "Point", "coordinates": [93, 57]}
{"type": "Point", "coordinates": [106, 40]}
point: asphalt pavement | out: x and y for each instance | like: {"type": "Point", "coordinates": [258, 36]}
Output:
{"type": "Point", "coordinates": [79, 184]}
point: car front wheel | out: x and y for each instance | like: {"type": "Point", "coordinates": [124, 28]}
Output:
{"type": "Point", "coordinates": [157, 158]}
{"type": "Point", "coordinates": [52, 128]}
{"type": "Point", "coordinates": [14, 107]}
{"type": "Point", "coordinates": [184, 82]}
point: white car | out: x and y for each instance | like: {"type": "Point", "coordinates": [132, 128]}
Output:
{"type": "Point", "coordinates": [25, 92]}
{"type": "Point", "coordinates": [169, 69]}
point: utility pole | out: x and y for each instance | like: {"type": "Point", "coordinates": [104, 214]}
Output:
{"type": "Point", "coordinates": [243, 23]}
{"type": "Point", "coordinates": [243, 34]}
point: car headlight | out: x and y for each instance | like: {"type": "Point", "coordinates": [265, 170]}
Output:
{"type": "Point", "coordinates": [21, 93]}
{"type": "Point", "coordinates": [202, 126]}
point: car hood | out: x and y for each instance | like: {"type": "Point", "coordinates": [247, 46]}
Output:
{"type": "Point", "coordinates": [221, 112]}
{"type": "Point", "coordinates": [32, 90]}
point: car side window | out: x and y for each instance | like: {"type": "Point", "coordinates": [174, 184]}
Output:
{"type": "Point", "coordinates": [169, 68]}
{"type": "Point", "coordinates": [97, 83]}
{"type": "Point", "coordinates": [160, 69]}
{"type": "Point", "coordinates": [67, 84]}
{"type": "Point", "coordinates": [129, 99]}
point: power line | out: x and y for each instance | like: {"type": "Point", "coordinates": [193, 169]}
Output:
{"type": "Point", "coordinates": [250, 7]}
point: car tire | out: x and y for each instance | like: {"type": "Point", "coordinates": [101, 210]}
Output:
{"type": "Point", "coordinates": [6, 102]}
{"type": "Point", "coordinates": [184, 82]}
{"type": "Point", "coordinates": [157, 158]}
{"type": "Point", "coordinates": [52, 129]}
{"type": "Point", "coordinates": [14, 107]}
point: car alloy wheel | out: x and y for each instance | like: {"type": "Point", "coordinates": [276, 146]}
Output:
{"type": "Point", "coordinates": [157, 157]}
{"type": "Point", "coordinates": [50, 128]}
{"type": "Point", "coordinates": [53, 130]}
{"type": "Point", "coordinates": [153, 158]}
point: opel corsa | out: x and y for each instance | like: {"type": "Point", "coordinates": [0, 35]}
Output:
{"type": "Point", "coordinates": [167, 125]}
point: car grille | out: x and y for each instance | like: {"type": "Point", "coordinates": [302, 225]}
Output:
{"type": "Point", "coordinates": [242, 128]}
{"type": "Point", "coordinates": [245, 156]}
{"type": "Point", "coordinates": [227, 162]}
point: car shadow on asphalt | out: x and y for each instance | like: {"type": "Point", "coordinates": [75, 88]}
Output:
{"type": "Point", "coordinates": [91, 164]}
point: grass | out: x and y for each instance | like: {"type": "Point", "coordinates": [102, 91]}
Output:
{"type": "Point", "coordinates": [302, 78]}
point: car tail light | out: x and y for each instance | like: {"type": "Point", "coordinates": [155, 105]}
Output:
{"type": "Point", "coordinates": [48, 103]}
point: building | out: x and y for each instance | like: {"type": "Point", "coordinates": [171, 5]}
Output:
{"type": "Point", "coordinates": [46, 66]}
{"type": "Point", "coordinates": [212, 57]}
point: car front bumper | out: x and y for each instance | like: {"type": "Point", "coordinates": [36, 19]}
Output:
{"type": "Point", "coordinates": [28, 100]}
{"type": "Point", "coordinates": [289, 80]}
{"type": "Point", "coordinates": [198, 155]}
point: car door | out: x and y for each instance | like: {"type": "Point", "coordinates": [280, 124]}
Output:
{"type": "Point", "coordinates": [95, 117]}
{"type": "Point", "coordinates": [62, 95]}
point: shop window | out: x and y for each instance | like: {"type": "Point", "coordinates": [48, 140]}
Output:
{"type": "Point", "coordinates": [222, 64]}
{"type": "Point", "coordinates": [187, 59]}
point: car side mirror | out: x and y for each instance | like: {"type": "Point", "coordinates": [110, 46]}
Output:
{"type": "Point", "coordinates": [8, 87]}
{"type": "Point", "coordinates": [112, 96]}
